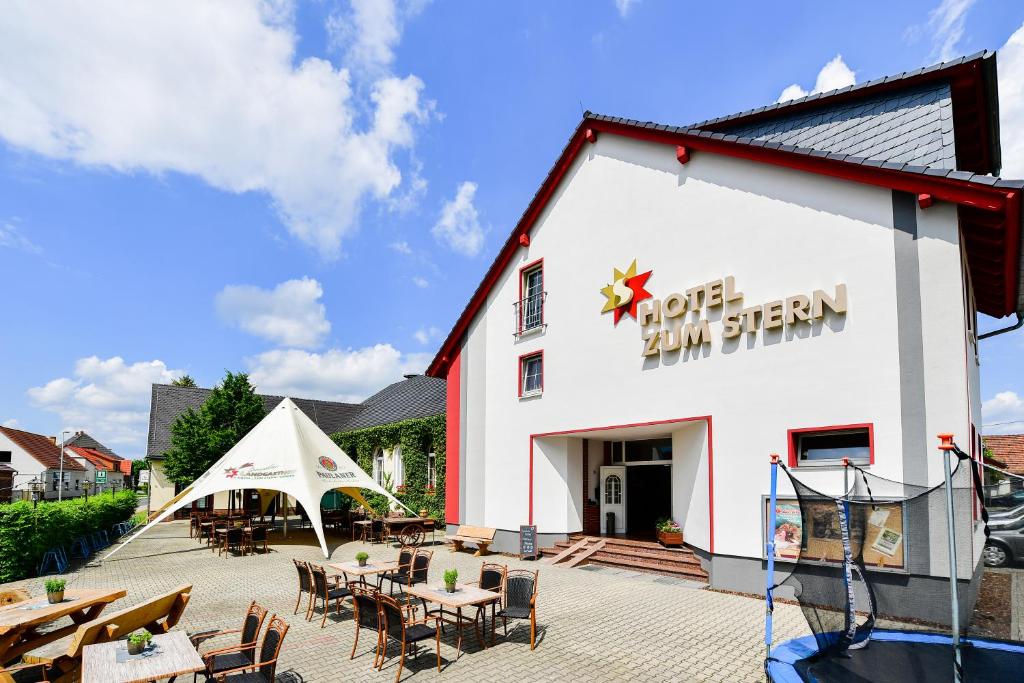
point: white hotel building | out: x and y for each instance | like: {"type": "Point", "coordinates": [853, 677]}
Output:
{"type": "Point", "coordinates": [806, 282]}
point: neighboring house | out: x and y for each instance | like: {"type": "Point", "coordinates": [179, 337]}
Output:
{"type": "Point", "coordinates": [123, 467]}
{"type": "Point", "coordinates": [415, 396]}
{"type": "Point", "coordinates": [38, 458]}
{"type": "Point", "coordinates": [1008, 450]}
{"type": "Point", "coordinates": [105, 473]}
{"type": "Point", "coordinates": [6, 483]}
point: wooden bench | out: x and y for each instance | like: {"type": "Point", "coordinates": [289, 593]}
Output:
{"type": "Point", "coordinates": [481, 536]}
{"type": "Point", "coordinates": [156, 615]}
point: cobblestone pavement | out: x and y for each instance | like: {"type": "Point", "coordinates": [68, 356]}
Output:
{"type": "Point", "coordinates": [594, 625]}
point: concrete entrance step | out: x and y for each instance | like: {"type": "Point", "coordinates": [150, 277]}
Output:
{"type": "Point", "coordinates": [628, 554]}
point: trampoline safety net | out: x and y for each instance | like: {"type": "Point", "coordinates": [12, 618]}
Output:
{"type": "Point", "coordinates": [869, 569]}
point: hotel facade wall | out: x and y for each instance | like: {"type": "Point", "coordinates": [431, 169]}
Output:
{"type": "Point", "coordinates": [898, 359]}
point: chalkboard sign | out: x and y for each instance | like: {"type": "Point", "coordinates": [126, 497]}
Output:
{"type": "Point", "coordinates": [527, 542]}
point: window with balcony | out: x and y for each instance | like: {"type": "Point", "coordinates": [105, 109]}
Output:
{"type": "Point", "coordinates": [529, 310]}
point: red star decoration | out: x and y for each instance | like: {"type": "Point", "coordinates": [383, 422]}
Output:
{"type": "Point", "coordinates": [636, 283]}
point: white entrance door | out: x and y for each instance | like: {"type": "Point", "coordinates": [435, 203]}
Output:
{"type": "Point", "coordinates": [613, 498]}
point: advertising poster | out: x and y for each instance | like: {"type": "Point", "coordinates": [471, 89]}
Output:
{"type": "Point", "coordinates": [788, 530]}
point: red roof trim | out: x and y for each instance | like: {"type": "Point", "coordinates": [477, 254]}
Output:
{"type": "Point", "coordinates": [984, 197]}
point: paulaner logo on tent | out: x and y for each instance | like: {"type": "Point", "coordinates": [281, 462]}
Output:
{"type": "Point", "coordinates": [328, 464]}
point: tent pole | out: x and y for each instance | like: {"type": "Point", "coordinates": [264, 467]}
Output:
{"type": "Point", "coordinates": [770, 552]}
{"type": "Point", "coordinates": [946, 447]}
{"type": "Point", "coordinates": [284, 515]}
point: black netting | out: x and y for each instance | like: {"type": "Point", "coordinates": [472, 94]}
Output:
{"type": "Point", "coordinates": [877, 556]}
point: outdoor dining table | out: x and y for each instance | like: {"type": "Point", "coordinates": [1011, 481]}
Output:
{"type": "Point", "coordinates": [362, 524]}
{"type": "Point", "coordinates": [18, 622]}
{"type": "Point", "coordinates": [168, 655]}
{"type": "Point", "coordinates": [369, 569]}
{"type": "Point", "coordinates": [464, 596]}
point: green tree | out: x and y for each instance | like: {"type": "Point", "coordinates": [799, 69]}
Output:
{"type": "Point", "coordinates": [184, 381]}
{"type": "Point", "coordinates": [200, 437]}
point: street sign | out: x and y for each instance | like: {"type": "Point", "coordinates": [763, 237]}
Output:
{"type": "Point", "coordinates": [101, 477]}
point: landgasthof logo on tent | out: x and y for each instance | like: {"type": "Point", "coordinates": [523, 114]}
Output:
{"type": "Point", "coordinates": [328, 464]}
{"type": "Point", "coordinates": [248, 471]}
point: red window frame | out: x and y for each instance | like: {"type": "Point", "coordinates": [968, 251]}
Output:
{"type": "Point", "coordinates": [793, 433]}
{"type": "Point", "coordinates": [519, 371]}
{"type": "Point", "coordinates": [532, 265]}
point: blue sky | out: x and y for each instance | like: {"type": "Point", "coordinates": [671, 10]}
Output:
{"type": "Point", "coordinates": [311, 192]}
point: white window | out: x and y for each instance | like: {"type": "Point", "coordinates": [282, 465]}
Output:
{"type": "Point", "coordinates": [531, 374]}
{"type": "Point", "coordinates": [613, 490]}
{"type": "Point", "coordinates": [828, 446]}
{"type": "Point", "coordinates": [378, 467]}
{"type": "Point", "coordinates": [398, 467]}
{"type": "Point", "coordinates": [431, 470]}
{"type": "Point", "coordinates": [532, 305]}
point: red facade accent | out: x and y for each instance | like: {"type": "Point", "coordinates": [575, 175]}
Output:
{"type": "Point", "coordinates": [452, 441]}
{"type": "Point", "coordinates": [682, 154]}
{"type": "Point", "coordinates": [590, 135]}
{"type": "Point", "coordinates": [924, 200]}
{"type": "Point", "coordinates": [524, 240]}
{"type": "Point", "coordinates": [791, 441]}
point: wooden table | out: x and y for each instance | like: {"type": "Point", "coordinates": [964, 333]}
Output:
{"type": "Point", "coordinates": [363, 524]}
{"type": "Point", "coordinates": [172, 655]}
{"type": "Point", "coordinates": [464, 596]}
{"type": "Point", "coordinates": [18, 622]}
{"type": "Point", "coordinates": [369, 569]}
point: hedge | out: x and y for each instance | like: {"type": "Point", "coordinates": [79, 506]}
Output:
{"type": "Point", "coordinates": [26, 533]}
{"type": "Point", "coordinates": [417, 437]}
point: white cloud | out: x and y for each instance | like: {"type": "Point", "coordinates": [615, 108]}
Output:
{"type": "Point", "coordinates": [945, 28]}
{"type": "Point", "coordinates": [425, 335]}
{"type": "Point", "coordinates": [420, 282]}
{"type": "Point", "coordinates": [401, 248]}
{"type": "Point", "coordinates": [12, 423]}
{"type": "Point", "coordinates": [1003, 413]}
{"type": "Point", "coordinates": [108, 398]}
{"type": "Point", "coordinates": [13, 238]}
{"type": "Point", "coordinates": [214, 90]}
{"type": "Point", "coordinates": [624, 6]}
{"type": "Point", "coordinates": [337, 374]}
{"type": "Point", "coordinates": [1011, 104]}
{"type": "Point", "coordinates": [290, 314]}
{"type": "Point", "coordinates": [835, 74]}
{"type": "Point", "coordinates": [459, 224]}
{"type": "Point", "coordinates": [368, 32]}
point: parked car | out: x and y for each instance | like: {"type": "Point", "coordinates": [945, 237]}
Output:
{"type": "Point", "coordinates": [1007, 500]}
{"type": "Point", "coordinates": [1005, 542]}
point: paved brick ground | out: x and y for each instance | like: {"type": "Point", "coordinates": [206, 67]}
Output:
{"type": "Point", "coordinates": [594, 625]}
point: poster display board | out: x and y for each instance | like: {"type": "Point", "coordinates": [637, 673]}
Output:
{"type": "Point", "coordinates": [815, 536]}
{"type": "Point", "coordinates": [527, 542]}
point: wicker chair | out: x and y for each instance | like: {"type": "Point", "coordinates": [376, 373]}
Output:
{"type": "Point", "coordinates": [305, 586]}
{"type": "Point", "coordinates": [326, 590]}
{"type": "Point", "coordinates": [257, 535]}
{"type": "Point", "coordinates": [225, 659]}
{"type": "Point", "coordinates": [263, 671]}
{"type": "Point", "coordinates": [232, 536]}
{"type": "Point", "coordinates": [520, 601]}
{"type": "Point", "coordinates": [400, 574]}
{"type": "Point", "coordinates": [492, 578]}
{"type": "Point", "coordinates": [367, 615]}
{"type": "Point", "coordinates": [402, 627]}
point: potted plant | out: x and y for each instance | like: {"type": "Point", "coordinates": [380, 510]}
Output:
{"type": "Point", "coordinates": [138, 641]}
{"type": "Point", "coordinates": [669, 533]}
{"type": "Point", "coordinates": [362, 557]}
{"type": "Point", "coordinates": [450, 577]}
{"type": "Point", "coordinates": [424, 513]}
{"type": "Point", "coordinates": [55, 590]}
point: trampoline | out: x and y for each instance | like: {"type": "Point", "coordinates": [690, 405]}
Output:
{"type": "Point", "coordinates": [852, 570]}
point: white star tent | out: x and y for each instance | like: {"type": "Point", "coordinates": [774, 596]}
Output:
{"type": "Point", "coordinates": [285, 452]}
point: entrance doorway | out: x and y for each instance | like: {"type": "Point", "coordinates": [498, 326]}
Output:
{"type": "Point", "coordinates": [637, 486]}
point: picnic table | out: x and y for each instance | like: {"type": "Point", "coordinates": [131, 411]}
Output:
{"type": "Point", "coordinates": [369, 569]}
{"type": "Point", "coordinates": [464, 596]}
{"type": "Point", "coordinates": [169, 655]}
{"type": "Point", "coordinates": [18, 622]}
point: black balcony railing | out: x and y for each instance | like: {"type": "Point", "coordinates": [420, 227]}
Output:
{"type": "Point", "coordinates": [529, 313]}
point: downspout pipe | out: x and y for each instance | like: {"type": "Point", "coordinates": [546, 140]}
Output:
{"type": "Point", "coordinates": [1016, 326]}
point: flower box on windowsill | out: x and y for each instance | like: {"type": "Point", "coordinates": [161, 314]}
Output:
{"type": "Point", "coordinates": [670, 537]}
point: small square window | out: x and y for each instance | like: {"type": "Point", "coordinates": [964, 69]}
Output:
{"type": "Point", "coordinates": [829, 446]}
{"type": "Point", "coordinates": [531, 375]}
{"type": "Point", "coordinates": [5, 457]}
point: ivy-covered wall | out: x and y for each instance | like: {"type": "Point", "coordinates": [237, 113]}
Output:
{"type": "Point", "coordinates": [417, 438]}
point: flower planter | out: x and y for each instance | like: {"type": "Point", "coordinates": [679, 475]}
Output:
{"type": "Point", "coordinates": [54, 598]}
{"type": "Point", "coordinates": [450, 587]}
{"type": "Point", "coordinates": [670, 537]}
{"type": "Point", "coordinates": [136, 648]}
{"type": "Point", "coordinates": [362, 563]}
{"type": "Point", "coordinates": [424, 512]}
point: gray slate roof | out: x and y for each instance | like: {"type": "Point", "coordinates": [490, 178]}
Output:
{"type": "Point", "coordinates": [83, 440]}
{"type": "Point", "coordinates": [415, 396]}
{"type": "Point", "coordinates": [911, 126]}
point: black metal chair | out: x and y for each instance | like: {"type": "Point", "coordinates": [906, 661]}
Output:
{"type": "Point", "coordinates": [401, 627]}
{"type": "Point", "coordinates": [305, 585]}
{"type": "Point", "coordinates": [232, 538]}
{"type": "Point", "coordinates": [366, 610]}
{"type": "Point", "coordinates": [224, 659]}
{"type": "Point", "coordinates": [263, 671]}
{"type": "Point", "coordinates": [376, 530]}
{"type": "Point", "coordinates": [326, 590]}
{"type": "Point", "coordinates": [257, 536]}
{"type": "Point", "coordinates": [399, 574]}
{"type": "Point", "coordinates": [520, 601]}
